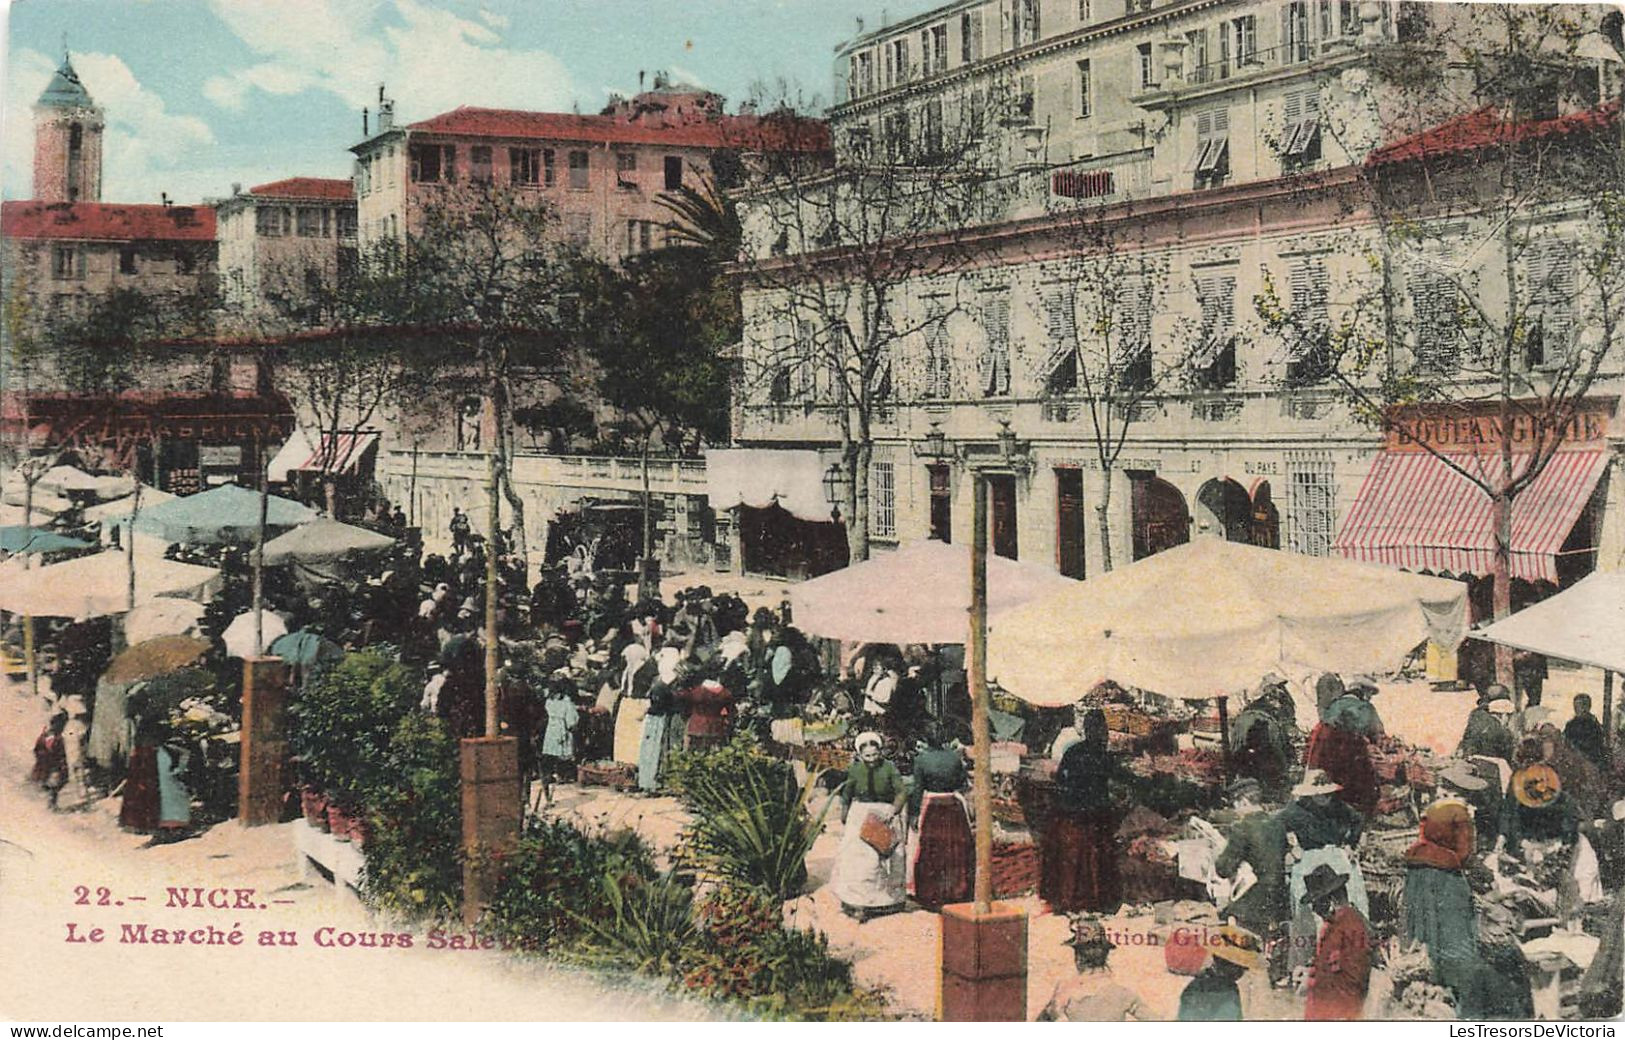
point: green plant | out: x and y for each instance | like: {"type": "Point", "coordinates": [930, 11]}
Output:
{"type": "Point", "coordinates": [343, 723]}
{"type": "Point", "coordinates": [649, 925]}
{"type": "Point", "coordinates": [554, 878]}
{"type": "Point", "coordinates": [413, 851]}
{"type": "Point", "coordinates": [751, 821]}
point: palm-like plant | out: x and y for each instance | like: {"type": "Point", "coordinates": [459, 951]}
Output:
{"type": "Point", "coordinates": [649, 925]}
{"type": "Point", "coordinates": [753, 826]}
{"type": "Point", "coordinates": [703, 218]}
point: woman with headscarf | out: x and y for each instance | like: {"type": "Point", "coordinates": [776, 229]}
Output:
{"type": "Point", "coordinates": [869, 876]}
{"type": "Point", "coordinates": [1080, 868]}
{"type": "Point", "coordinates": [1341, 744]}
{"type": "Point", "coordinates": [945, 860]}
{"type": "Point", "coordinates": [634, 699]}
{"type": "Point", "coordinates": [1438, 902]}
{"type": "Point", "coordinates": [655, 709]}
{"type": "Point", "coordinates": [1321, 829]}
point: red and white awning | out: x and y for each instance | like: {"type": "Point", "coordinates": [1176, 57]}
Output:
{"type": "Point", "coordinates": [338, 454]}
{"type": "Point", "coordinates": [1416, 512]}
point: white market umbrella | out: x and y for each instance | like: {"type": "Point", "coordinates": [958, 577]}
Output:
{"type": "Point", "coordinates": [239, 635]}
{"type": "Point", "coordinates": [1585, 623]}
{"type": "Point", "coordinates": [918, 594]}
{"type": "Point", "coordinates": [1213, 617]}
{"type": "Point", "coordinates": [166, 616]}
{"type": "Point", "coordinates": [323, 540]}
{"type": "Point", "coordinates": [119, 508]}
{"type": "Point", "coordinates": [95, 586]}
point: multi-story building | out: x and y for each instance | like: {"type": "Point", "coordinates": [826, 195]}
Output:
{"type": "Point", "coordinates": [284, 241]}
{"type": "Point", "coordinates": [1219, 145]}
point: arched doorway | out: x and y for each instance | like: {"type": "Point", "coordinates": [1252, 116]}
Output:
{"type": "Point", "coordinates": [1224, 508]}
{"type": "Point", "coordinates": [1161, 519]}
{"type": "Point", "coordinates": [1266, 519]}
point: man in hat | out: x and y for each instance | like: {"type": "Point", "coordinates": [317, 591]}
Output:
{"type": "Point", "coordinates": [1485, 733]}
{"type": "Point", "coordinates": [1213, 996]}
{"type": "Point", "coordinates": [1261, 736]}
{"type": "Point", "coordinates": [1585, 734]}
{"type": "Point", "coordinates": [1093, 995]}
{"type": "Point", "coordinates": [1341, 973]}
{"type": "Point", "coordinates": [1354, 710]}
{"type": "Point", "coordinates": [1257, 839]}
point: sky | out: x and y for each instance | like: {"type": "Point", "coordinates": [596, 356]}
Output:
{"type": "Point", "coordinates": [201, 94]}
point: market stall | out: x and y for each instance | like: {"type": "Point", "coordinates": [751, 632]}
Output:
{"type": "Point", "coordinates": [93, 586]}
{"type": "Point", "coordinates": [227, 513]}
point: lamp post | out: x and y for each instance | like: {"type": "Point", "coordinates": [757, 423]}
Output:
{"type": "Point", "coordinates": [835, 483]}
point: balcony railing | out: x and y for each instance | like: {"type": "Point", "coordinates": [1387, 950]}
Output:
{"type": "Point", "coordinates": [1266, 58]}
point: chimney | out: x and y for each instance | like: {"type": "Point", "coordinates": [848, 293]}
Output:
{"type": "Point", "coordinates": [236, 188]}
{"type": "Point", "coordinates": [640, 81]}
{"type": "Point", "coordinates": [364, 132]}
{"type": "Point", "coordinates": [163, 196]}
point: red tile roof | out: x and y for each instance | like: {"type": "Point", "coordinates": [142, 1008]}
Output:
{"type": "Point", "coordinates": [108, 221]}
{"type": "Point", "coordinates": [748, 132]}
{"type": "Point", "coordinates": [306, 188]}
{"type": "Point", "coordinates": [1486, 127]}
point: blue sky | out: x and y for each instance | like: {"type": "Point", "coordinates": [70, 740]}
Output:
{"type": "Point", "coordinates": [203, 93]}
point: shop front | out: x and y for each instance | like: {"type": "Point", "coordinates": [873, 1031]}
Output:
{"type": "Point", "coordinates": [785, 522]}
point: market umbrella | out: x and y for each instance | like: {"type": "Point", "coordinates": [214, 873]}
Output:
{"type": "Point", "coordinates": [227, 513]}
{"type": "Point", "coordinates": [119, 508]}
{"type": "Point", "coordinates": [91, 586]}
{"type": "Point", "coordinates": [1212, 617]}
{"type": "Point", "coordinates": [155, 657]}
{"type": "Point", "coordinates": [305, 648]}
{"type": "Point", "coordinates": [34, 540]}
{"type": "Point", "coordinates": [239, 635]}
{"type": "Point", "coordinates": [165, 616]}
{"type": "Point", "coordinates": [919, 594]}
{"type": "Point", "coordinates": [322, 541]}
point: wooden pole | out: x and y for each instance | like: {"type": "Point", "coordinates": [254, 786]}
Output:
{"type": "Point", "coordinates": [1608, 707]}
{"type": "Point", "coordinates": [129, 548]}
{"type": "Point", "coordinates": [1224, 734]}
{"type": "Point", "coordinates": [976, 660]}
{"type": "Point", "coordinates": [259, 547]}
{"type": "Point", "coordinates": [493, 658]}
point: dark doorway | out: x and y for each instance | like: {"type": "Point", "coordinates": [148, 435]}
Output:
{"type": "Point", "coordinates": [777, 543]}
{"type": "Point", "coordinates": [1266, 518]}
{"type": "Point", "coordinates": [942, 504]}
{"type": "Point", "coordinates": [1002, 490]}
{"type": "Point", "coordinates": [1225, 510]}
{"type": "Point", "coordinates": [1069, 522]}
{"type": "Point", "coordinates": [1161, 520]}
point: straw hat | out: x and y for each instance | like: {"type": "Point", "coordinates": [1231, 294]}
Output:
{"type": "Point", "coordinates": [1361, 683]}
{"type": "Point", "coordinates": [1238, 946]}
{"type": "Point", "coordinates": [1315, 781]}
{"type": "Point", "coordinates": [1536, 786]}
{"type": "Point", "coordinates": [1499, 706]}
{"type": "Point", "coordinates": [1463, 778]}
{"type": "Point", "coordinates": [1088, 931]}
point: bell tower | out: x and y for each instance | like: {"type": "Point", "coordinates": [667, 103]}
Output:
{"type": "Point", "coordinates": [67, 140]}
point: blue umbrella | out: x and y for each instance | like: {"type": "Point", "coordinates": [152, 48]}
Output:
{"type": "Point", "coordinates": [30, 540]}
{"type": "Point", "coordinates": [305, 648]}
{"type": "Point", "coordinates": [227, 513]}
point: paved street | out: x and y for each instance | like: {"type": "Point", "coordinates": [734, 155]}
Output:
{"type": "Point", "coordinates": [44, 855]}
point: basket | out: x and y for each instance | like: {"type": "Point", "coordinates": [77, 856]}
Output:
{"type": "Point", "coordinates": [621, 776]}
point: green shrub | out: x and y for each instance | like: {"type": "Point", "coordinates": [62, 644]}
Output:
{"type": "Point", "coordinates": [414, 863]}
{"type": "Point", "coordinates": [648, 924]}
{"type": "Point", "coordinates": [751, 823]}
{"type": "Point", "coordinates": [555, 877]}
{"type": "Point", "coordinates": [343, 722]}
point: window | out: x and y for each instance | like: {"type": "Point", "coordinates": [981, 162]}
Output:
{"type": "Point", "coordinates": [993, 368]}
{"type": "Point", "coordinates": [1148, 68]}
{"type": "Point", "coordinates": [1295, 31]}
{"type": "Point", "coordinates": [185, 261]}
{"type": "Point", "coordinates": [578, 230]}
{"type": "Point", "coordinates": [862, 79]}
{"type": "Point", "coordinates": [550, 175]}
{"type": "Point", "coordinates": [1024, 23]}
{"type": "Point", "coordinates": [674, 172]}
{"type": "Point", "coordinates": [1060, 368]}
{"type": "Point", "coordinates": [1411, 23]}
{"type": "Point", "coordinates": [939, 48]}
{"type": "Point", "coordinates": [1132, 350]}
{"type": "Point", "coordinates": [928, 58]}
{"type": "Point", "coordinates": [271, 221]}
{"type": "Point", "coordinates": [1242, 36]}
{"type": "Point", "coordinates": [430, 163]}
{"type": "Point", "coordinates": [1349, 15]}
{"type": "Point", "coordinates": [1311, 509]}
{"type": "Point", "coordinates": [626, 164]}
{"type": "Point", "coordinates": [938, 351]}
{"type": "Point", "coordinates": [883, 499]}
{"type": "Point", "coordinates": [1086, 106]}
{"type": "Point", "coordinates": [970, 36]}
{"type": "Point", "coordinates": [479, 164]}
{"type": "Point", "coordinates": [1309, 359]}
{"type": "Point", "coordinates": [931, 128]}
{"type": "Point", "coordinates": [347, 223]}
{"type": "Point", "coordinates": [639, 236]}
{"type": "Point", "coordinates": [1211, 160]}
{"type": "Point", "coordinates": [896, 62]}
{"type": "Point", "coordinates": [1197, 62]}
{"type": "Point", "coordinates": [1213, 364]}
{"type": "Point", "coordinates": [578, 171]}
{"type": "Point", "coordinates": [1023, 100]}
{"type": "Point", "coordinates": [525, 165]}
{"type": "Point", "coordinates": [1300, 132]}
{"type": "Point", "coordinates": [1434, 313]}
{"type": "Point", "coordinates": [894, 127]}
{"type": "Point", "coordinates": [1327, 24]}
{"type": "Point", "coordinates": [313, 222]}
{"type": "Point", "coordinates": [67, 262]}
{"type": "Point", "coordinates": [1550, 271]}
{"type": "Point", "coordinates": [1086, 12]}
{"type": "Point", "coordinates": [126, 259]}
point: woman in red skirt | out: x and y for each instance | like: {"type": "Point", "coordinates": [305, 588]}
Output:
{"type": "Point", "coordinates": [945, 862]}
{"type": "Point", "coordinates": [1080, 864]}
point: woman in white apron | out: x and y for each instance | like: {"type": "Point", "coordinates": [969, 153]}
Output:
{"type": "Point", "coordinates": [870, 876]}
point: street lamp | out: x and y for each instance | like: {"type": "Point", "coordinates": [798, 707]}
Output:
{"type": "Point", "coordinates": [934, 445]}
{"type": "Point", "coordinates": [835, 489]}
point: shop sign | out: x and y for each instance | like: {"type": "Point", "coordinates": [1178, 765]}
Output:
{"type": "Point", "coordinates": [220, 456]}
{"type": "Point", "coordinates": [1473, 427]}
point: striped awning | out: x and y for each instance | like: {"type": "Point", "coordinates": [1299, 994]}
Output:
{"type": "Point", "coordinates": [339, 453]}
{"type": "Point", "coordinates": [1416, 512]}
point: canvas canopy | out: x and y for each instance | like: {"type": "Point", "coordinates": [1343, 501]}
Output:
{"type": "Point", "coordinates": [293, 453]}
{"type": "Point", "coordinates": [95, 586]}
{"type": "Point", "coordinates": [762, 477]}
{"type": "Point", "coordinates": [35, 540]}
{"type": "Point", "coordinates": [1213, 617]}
{"type": "Point", "coordinates": [165, 616]}
{"type": "Point", "coordinates": [239, 635]}
{"type": "Point", "coordinates": [1584, 623]}
{"type": "Point", "coordinates": [119, 508]}
{"type": "Point", "coordinates": [69, 480]}
{"type": "Point", "coordinates": [227, 513]}
{"type": "Point", "coordinates": [919, 594]}
{"type": "Point", "coordinates": [322, 541]}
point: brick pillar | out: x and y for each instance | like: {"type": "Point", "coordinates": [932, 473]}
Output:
{"type": "Point", "coordinates": [263, 753]}
{"type": "Point", "coordinates": [984, 964]}
{"type": "Point", "coordinates": [493, 813]}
